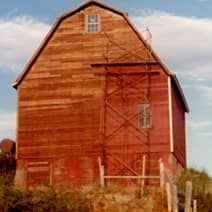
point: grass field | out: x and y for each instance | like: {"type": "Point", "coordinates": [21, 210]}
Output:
{"type": "Point", "coordinates": [93, 199]}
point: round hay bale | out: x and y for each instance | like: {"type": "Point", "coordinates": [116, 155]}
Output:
{"type": "Point", "coordinates": [7, 146]}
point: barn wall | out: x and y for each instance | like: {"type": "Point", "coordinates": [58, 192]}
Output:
{"type": "Point", "coordinates": [178, 128]}
{"type": "Point", "coordinates": [127, 143]}
{"type": "Point", "coordinates": [61, 106]}
{"type": "Point", "coordinates": [60, 98]}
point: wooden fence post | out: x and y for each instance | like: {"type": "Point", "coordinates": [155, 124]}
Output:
{"type": "Point", "coordinates": [169, 197]}
{"type": "Point", "coordinates": [101, 173]}
{"type": "Point", "coordinates": [103, 176]}
{"type": "Point", "coordinates": [174, 198]}
{"type": "Point", "coordinates": [195, 206]}
{"type": "Point", "coordinates": [188, 196]}
{"type": "Point", "coordinates": [161, 166]}
{"type": "Point", "coordinates": [143, 174]}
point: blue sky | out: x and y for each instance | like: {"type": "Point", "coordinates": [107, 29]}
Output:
{"type": "Point", "coordinates": [182, 32]}
{"type": "Point", "coordinates": [49, 9]}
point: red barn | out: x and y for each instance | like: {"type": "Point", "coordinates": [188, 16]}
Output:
{"type": "Point", "coordinates": [96, 88]}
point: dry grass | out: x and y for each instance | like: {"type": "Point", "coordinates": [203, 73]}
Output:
{"type": "Point", "coordinates": [124, 199]}
{"type": "Point", "coordinates": [87, 199]}
{"type": "Point", "coordinates": [202, 188]}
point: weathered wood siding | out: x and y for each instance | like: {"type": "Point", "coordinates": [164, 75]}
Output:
{"type": "Point", "coordinates": [60, 97]}
{"type": "Point", "coordinates": [178, 128]}
{"type": "Point", "coordinates": [129, 144]}
{"type": "Point", "coordinates": [61, 103]}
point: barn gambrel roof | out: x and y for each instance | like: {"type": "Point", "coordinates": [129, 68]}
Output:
{"type": "Point", "coordinates": [125, 16]}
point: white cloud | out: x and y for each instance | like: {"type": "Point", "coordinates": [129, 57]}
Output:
{"type": "Point", "coordinates": [206, 134]}
{"type": "Point", "coordinates": [18, 39]}
{"type": "Point", "coordinates": [199, 125]}
{"type": "Point", "coordinates": [184, 43]}
{"type": "Point", "coordinates": [7, 125]}
{"type": "Point", "coordinates": [207, 92]}
{"type": "Point", "coordinates": [206, 89]}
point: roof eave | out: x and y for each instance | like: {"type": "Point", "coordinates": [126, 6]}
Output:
{"type": "Point", "coordinates": [83, 5]}
{"type": "Point", "coordinates": [16, 83]}
{"type": "Point", "coordinates": [174, 78]}
{"type": "Point", "coordinates": [164, 67]}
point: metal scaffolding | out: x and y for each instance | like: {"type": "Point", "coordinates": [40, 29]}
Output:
{"type": "Point", "coordinates": [124, 81]}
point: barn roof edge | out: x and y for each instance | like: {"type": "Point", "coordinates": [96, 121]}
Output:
{"type": "Point", "coordinates": [19, 79]}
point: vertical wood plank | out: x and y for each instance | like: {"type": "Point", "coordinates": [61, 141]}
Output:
{"type": "Point", "coordinates": [101, 173]}
{"type": "Point", "coordinates": [174, 198]}
{"type": "Point", "coordinates": [103, 177]}
{"type": "Point", "coordinates": [161, 166]}
{"type": "Point", "coordinates": [51, 173]}
{"type": "Point", "coordinates": [188, 196]}
{"type": "Point", "coordinates": [143, 174]}
{"type": "Point", "coordinates": [195, 206]}
{"type": "Point", "coordinates": [169, 197]}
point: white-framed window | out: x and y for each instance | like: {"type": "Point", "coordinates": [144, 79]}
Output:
{"type": "Point", "coordinates": [145, 116]}
{"type": "Point", "coordinates": [93, 23]}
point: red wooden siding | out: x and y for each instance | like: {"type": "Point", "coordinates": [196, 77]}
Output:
{"type": "Point", "coordinates": [60, 98]}
{"type": "Point", "coordinates": [178, 128]}
{"type": "Point", "coordinates": [128, 143]}
{"type": "Point", "coordinates": [63, 112]}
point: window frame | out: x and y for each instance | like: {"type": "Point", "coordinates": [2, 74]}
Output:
{"type": "Point", "coordinates": [146, 116]}
{"type": "Point", "coordinates": [87, 24]}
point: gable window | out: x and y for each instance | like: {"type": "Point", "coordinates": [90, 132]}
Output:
{"type": "Point", "coordinates": [93, 23]}
{"type": "Point", "coordinates": [145, 116]}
